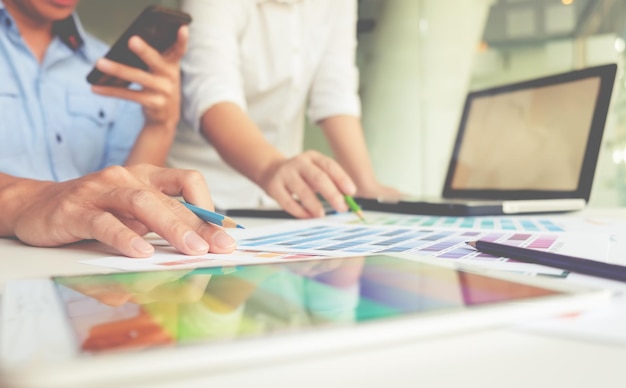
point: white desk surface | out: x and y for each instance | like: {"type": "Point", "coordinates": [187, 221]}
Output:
{"type": "Point", "coordinates": [504, 357]}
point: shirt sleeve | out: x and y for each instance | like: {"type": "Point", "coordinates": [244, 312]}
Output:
{"type": "Point", "coordinates": [211, 66]}
{"type": "Point", "coordinates": [334, 90]}
{"type": "Point", "coordinates": [123, 131]}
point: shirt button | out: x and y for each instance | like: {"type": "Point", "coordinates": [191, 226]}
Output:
{"type": "Point", "coordinates": [7, 22]}
{"type": "Point", "coordinates": [59, 138]}
{"type": "Point", "coordinates": [101, 114]}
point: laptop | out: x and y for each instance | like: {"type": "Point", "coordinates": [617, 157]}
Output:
{"type": "Point", "coordinates": [524, 147]}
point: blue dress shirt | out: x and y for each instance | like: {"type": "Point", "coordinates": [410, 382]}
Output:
{"type": "Point", "coordinates": [52, 127]}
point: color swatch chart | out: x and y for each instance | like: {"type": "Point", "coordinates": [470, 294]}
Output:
{"type": "Point", "coordinates": [334, 240]}
{"type": "Point", "coordinates": [483, 223]}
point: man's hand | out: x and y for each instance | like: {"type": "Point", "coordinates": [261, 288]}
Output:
{"type": "Point", "coordinates": [294, 184]}
{"type": "Point", "coordinates": [160, 85]}
{"type": "Point", "coordinates": [116, 206]}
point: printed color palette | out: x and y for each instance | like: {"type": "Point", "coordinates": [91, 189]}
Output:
{"type": "Point", "coordinates": [483, 223]}
{"type": "Point", "coordinates": [336, 240]}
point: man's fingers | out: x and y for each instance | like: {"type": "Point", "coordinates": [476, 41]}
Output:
{"type": "Point", "coordinates": [149, 55]}
{"type": "Point", "coordinates": [178, 225]}
{"type": "Point", "coordinates": [219, 240]}
{"type": "Point", "coordinates": [109, 230]}
{"type": "Point", "coordinates": [148, 81]}
{"type": "Point", "coordinates": [192, 186]}
{"type": "Point", "coordinates": [177, 51]}
{"type": "Point", "coordinates": [188, 183]}
{"type": "Point", "coordinates": [150, 101]}
{"type": "Point", "coordinates": [123, 93]}
{"type": "Point", "coordinates": [174, 228]}
{"type": "Point", "coordinates": [150, 209]}
{"type": "Point", "coordinates": [125, 72]}
{"type": "Point", "coordinates": [117, 206]}
{"type": "Point", "coordinates": [166, 63]}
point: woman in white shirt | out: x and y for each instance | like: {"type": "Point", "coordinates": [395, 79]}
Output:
{"type": "Point", "coordinates": [253, 69]}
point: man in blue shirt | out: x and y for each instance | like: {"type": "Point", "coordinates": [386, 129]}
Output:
{"type": "Point", "coordinates": [55, 128]}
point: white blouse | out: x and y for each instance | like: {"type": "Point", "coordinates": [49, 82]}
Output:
{"type": "Point", "coordinates": [275, 59]}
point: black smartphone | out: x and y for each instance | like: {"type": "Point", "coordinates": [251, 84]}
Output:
{"type": "Point", "coordinates": [156, 25]}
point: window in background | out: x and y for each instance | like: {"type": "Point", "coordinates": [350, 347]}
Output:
{"type": "Point", "coordinates": [415, 62]}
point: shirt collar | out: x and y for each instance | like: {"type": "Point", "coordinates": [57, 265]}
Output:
{"type": "Point", "coordinates": [68, 33]}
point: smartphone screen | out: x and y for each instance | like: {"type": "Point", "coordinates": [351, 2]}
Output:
{"type": "Point", "coordinates": [156, 25]}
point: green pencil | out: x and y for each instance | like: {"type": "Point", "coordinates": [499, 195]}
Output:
{"type": "Point", "coordinates": [354, 207]}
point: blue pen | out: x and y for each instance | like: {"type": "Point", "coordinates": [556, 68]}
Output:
{"type": "Point", "coordinates": [212, 217]}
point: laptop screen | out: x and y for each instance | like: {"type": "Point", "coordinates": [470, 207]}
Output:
{"type": "Point", "coordinates": [533, 139]}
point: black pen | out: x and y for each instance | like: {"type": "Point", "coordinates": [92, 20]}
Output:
{"type": "Point", "coordinates": [568, 263]}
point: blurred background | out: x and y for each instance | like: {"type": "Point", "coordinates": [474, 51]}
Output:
{"type": "Point", "coordinates": [418, 59]}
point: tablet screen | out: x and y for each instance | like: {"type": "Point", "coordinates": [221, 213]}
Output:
{"type": "Point", "coordinates": [126, 311]}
